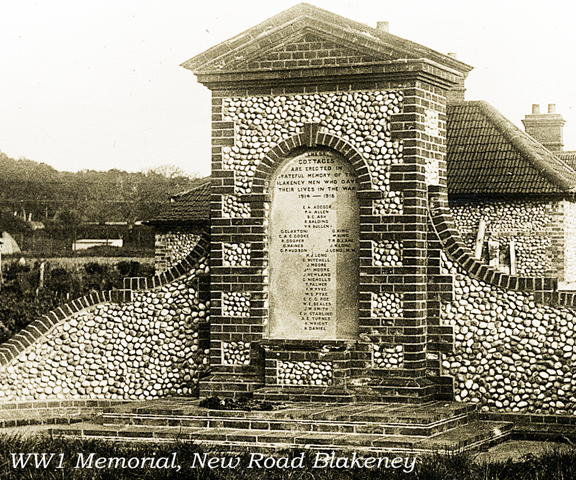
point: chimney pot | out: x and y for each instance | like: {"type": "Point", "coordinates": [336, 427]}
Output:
{"type": "Point", "coordinates": [453, 55]}
{"type": "Point", "coordinates": [383, 26]}
{"type": "Point", "coordinates": [546, 129]}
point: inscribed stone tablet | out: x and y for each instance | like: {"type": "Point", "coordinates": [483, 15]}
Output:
{"type": "Point", "coordinates": [314, 242]}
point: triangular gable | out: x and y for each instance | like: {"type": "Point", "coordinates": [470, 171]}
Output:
{"type": "Point", "coordinates": [488, 154]}
{"type": "Point", "coordinates": [353, 38]}
{"type": "Point", "coordinates": [308, 48]}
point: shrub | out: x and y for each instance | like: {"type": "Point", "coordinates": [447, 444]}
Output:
{"type": "Point", "coordinates": [20, 305]}
{"type": "Point", "coordinates": [18, 311]}
{"type": "Point", "coordinates": [94, 268]}
{"type": "Point", "coordinates": [59, 282]}
{"type": "Point", "coordinates": [128, 269]}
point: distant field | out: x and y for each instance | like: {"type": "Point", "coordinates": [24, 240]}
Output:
{"type": "Point", "coordinates": [74, 263]}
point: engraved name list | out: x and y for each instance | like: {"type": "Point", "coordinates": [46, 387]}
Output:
{"type": "Point", "coordinates": [314, 248]}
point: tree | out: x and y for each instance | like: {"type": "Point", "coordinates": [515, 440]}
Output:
{"type": "Point", "coordinates": [68, 220]}
{"type": "Point", "coordinates": [62, 198]}
{"type": "Point", "coordinates": [11, 223]}
{"type": "Point", "coordinates": [168, 171]}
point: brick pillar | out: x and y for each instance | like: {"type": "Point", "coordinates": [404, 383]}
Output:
{"type": "Point", "coordinates": [407, 127]}
{"type": "Point", "coordinates": [421, 126]}
{"type": "Point", "coordinates": [237, 281]}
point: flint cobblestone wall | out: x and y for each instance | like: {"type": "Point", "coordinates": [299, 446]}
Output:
{"type": "Point", "coordinates": [172, 246]}
{"type": "Point", "coordinates": [361, 118]}
{"type": "Point", "coordinates": [147, 348]}
{"type": "Point", "coordinates": [304, 373]}
{"type": "Point", "coordinates": [532, 225]}
{"type": "Point", "coordinates": [250, 130]}
{"type": "Point", "coordinates": [510, 353]}
{"type": "Point", "coordinates": [388, 356]}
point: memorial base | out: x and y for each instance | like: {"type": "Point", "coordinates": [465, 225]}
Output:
{"type": "Point", "coordinates": [327, 371]}
{"type": "Point", "coordinates": [307, 363]}
{"type": "Point", "coordinates": [230, 386]}
{"type": "Point", "coordinates": [404, 391]}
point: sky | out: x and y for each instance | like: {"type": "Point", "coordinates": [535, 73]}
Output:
{"type": "Point", "coordinates": [98, 84]}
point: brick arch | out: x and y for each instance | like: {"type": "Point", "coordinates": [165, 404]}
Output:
{"type": "Point", "coordinates": [311, 136]}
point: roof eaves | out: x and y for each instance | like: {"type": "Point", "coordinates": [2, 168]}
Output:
{"type": "Point", "coordinates": [201, 183]}
{"type": "Point", "coordinates": [538, 155]}
{"type": "Point", "coordinates": [176, 222]}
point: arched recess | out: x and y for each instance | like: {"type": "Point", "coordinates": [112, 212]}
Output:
{"type": "Point", "coordinates": [311, 136]}
{"type": "Point", "coordinates": [312, 184]}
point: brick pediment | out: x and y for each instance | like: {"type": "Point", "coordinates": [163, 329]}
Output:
{"type": "Point", "coordinates": [310, 49]}
{"type": "Point", "coordinates": [305, 37]}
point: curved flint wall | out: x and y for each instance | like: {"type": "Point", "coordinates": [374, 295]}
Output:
{"type": "Point", "coordinates": [142, 342]}
{"type": "Point", "coordinates": [513, 342]}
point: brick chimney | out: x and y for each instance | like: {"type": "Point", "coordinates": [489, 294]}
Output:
{"type": "Point", "coordinates": [458, 91]}
{"type": "Point", "coordinates": [547, 128]}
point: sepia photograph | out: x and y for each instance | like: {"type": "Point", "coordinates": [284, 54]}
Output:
{"type": "Point", "coordinates": [286, 240]}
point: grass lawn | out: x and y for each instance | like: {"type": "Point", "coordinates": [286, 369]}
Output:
{"type": "Point", "coordinates": [21, 458]}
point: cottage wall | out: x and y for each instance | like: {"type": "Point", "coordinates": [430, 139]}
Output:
{"type": "Point", "coordinates": [173, 244]}
{"type": "Point", "coordinates": [535, 226]}
{"type": "Point", "coordinates": [569, 229]}
{"type": "Point", "coordinates": [512, 346]}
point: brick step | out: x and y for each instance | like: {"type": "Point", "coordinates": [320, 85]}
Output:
{"type": "Point", "coordinates": [52, 419]}
{"type": "Point", "coordinates": [378, 412]}
{"type": "Point", "coordinates": [220, 382]}
{"type": "Point", "coordinates": [230, 384]}
{"type": "Point", "coordinates": [382, 427]}
{"type": "Point", "coordinates": [392, 419]}
{"type": "Point", "coordinates": [474, 435]}
{"type": "Point", "coordinates": [458, 439]}
{"type": "Point", "coordinates": [545, 433]}
{"type": "Point", "coordinates": [374, 393]}
{"type": "Point", "coordinates": [51, 412]}
{"type": "Point", "coordinates": [405, 394]}
{"type": "Point", "coordinates": [273, 394]}
{"type": "Point", "coordinates": [537, 426]}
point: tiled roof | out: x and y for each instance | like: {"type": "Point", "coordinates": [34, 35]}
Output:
{"type": "Point", "coordinates": [568, 157]}
{"type": "Point", "coordinates": [192, 206]}
{"type": "Point", "coordinates": [488, 154]}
